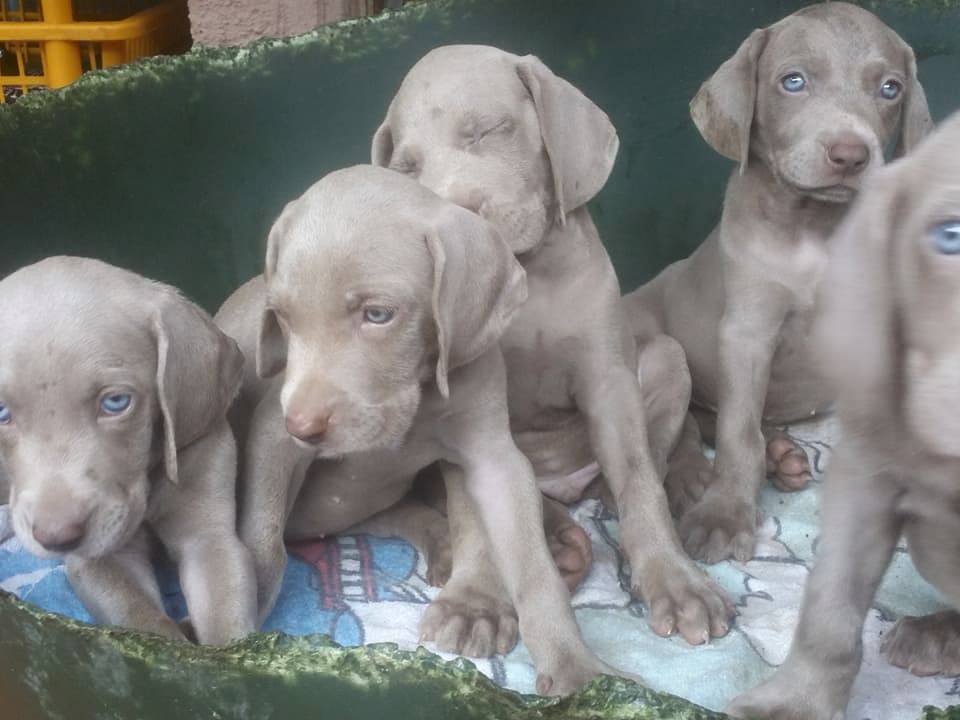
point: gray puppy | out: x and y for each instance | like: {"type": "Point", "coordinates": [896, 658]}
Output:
{"type": "Point", "coordinates": [113, 399]}
{"type": "Point", "coordinates": [375, 328]}
{"type": "Point", "coordinates": [890, 331]}
{"type": "Point", "coordinates": [503, 136]}
{"type": "Point", "coordinates": [806, 107]}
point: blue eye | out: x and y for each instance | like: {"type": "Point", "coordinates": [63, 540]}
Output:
{"type": "Point", "coordinates": [5, 415]}
{"type": "Point", "coordinates": [794, 82]}
{"type": "Point", "coordinates": [377, 315]}
{"type": "Point", "coordinates": [946, 237]}
{"type": "Point", "coordinates": [890, 90]}
{"type": "Point", "coordinates": [116, 403]}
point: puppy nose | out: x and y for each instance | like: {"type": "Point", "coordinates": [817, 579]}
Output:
{"type": "Point", "coordinates": [60, 538]}
{"type": "Point", "coordinates": [849, 154]}
{"type": "Point", "coordinates": [308, 427]}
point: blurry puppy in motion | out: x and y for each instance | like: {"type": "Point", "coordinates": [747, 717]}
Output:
{"type": "Point", "coordinates": [890, 330]}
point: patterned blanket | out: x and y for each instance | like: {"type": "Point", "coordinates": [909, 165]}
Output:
{"type": "Point", "coordinates": [364, 589]}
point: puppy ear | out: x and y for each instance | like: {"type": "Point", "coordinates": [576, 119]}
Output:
{"type": "Point", "coordinates": [723, 108]}
{"type": "Point", "coordinates": [271, 345]}
{"type": "Point", "coordinates": [915, 122]}
{"type": "Point", "coordinates": [581, 141]}
{"type": "Point", "coordinates": [856, 329]}
{"type": "Point", "coordinates": [477, 286]}
{"type": "Point", "coordinates": [381, 149]}
{"type": "Point", "coordinates": [199, 371]}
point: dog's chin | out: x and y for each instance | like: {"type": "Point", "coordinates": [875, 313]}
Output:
{"type": "Point", "coordinates": [522, 225]}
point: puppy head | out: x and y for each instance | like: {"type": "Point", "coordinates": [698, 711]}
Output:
{"type": "Point", "coordinates": [103, 376]}
{"type": "Point", "coordinates": [817, 97]}
{"type": "Point", "coordinates": [890, 306]}
{"type": "Point", "coordinates": [374, 287]}
{"type": "Point", "coordinates": [500, 135]}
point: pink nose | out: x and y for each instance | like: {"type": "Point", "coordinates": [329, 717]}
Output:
{"type": "Point", "coordinates": [308, 427]}
{"type": "Point", "coordinates": [849, 154]}
{"type": "Point", "coordinates": [60, 538]}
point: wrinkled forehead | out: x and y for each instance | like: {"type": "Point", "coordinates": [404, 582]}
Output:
{"type": "Point", "coordinates": [838, 37]}
{"type": "Point", "coordinates": [69, 347]}
{"type": "Point", "coordinates": [323, 257]}
{"type": "Point", "coordinates": [458, 85]}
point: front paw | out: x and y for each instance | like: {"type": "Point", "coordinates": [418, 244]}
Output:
{"type": "Point", "coordinates": [790, 695]}
{"type": "Point", "coordinates": [928, 645]}
{"type": "Point", "coordinates": [571, 670]}
{"type": "Point", "coordinates": [787, 464]}
{"type": "Point", "coordinates": [720, 526]}
{"type": "Point", "coordinates": [468, 621]}
{"type": "Point", "coordinates": [681, 597]}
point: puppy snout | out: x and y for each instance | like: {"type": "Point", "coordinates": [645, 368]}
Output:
{"type": "Point", "coordinates": [308, 427]}
{"type": "Point", "coordinates": [60, 537]}
{"type": "Point", "coordinates": [848, 154]}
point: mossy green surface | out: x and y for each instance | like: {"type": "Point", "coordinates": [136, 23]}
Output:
{"type": "Point", "coordinates": [54, 668]}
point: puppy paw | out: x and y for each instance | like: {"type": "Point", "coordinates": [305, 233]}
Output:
{"type": "Point", "coordinates": [928, 645]}
{"type": "Point", "coordinates": [570, 671]}
{"type": "Point", "coordinates": [569, 544]}
{"type": "Point", "coordinates": [468, 621]}
{"type": "Point", "coordinates": [682, 598]}
{"type": "Point", "coordinates": [688, 477]}
{"type": "Point", "coordinates": [787, 464]}
{"type": "Point", "coordinates": [718, 527]}
{"type": "Point", "coordinates": [779, 698]}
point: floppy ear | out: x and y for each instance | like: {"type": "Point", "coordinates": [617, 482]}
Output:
{"type": "Point", "coordinates": [915, 122]}
{"type": "Point", "coordinates": [271, 345]}
{"type": "Point", "coordinates": [381, 149]}
{"type": "Point", "coordinates": [477, 286]}
{"type": "Point", "coordinates": [856, 330]}
{"type": "Point", "coordinates": [199, 371]}
{"type": "Point", "coordinates": [581, 141]}
{"type": "Point", "coordinates": [723, 108]}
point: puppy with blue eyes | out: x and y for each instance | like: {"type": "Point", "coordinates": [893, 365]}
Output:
{"type": "Point", "coordinates": [888, 326]}
{"type": "Point", "coordinates": [113, 432]}
{"type": "Point", "coordinates": [807, 108]}
{"type": "Point", "coordinates": [376, 329]}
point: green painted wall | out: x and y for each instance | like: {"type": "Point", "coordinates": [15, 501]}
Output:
{"type": "Point", "coordinates": [176, 168]}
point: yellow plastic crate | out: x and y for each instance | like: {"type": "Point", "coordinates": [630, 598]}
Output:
{"type": "Point", "coordinates": [50, 43]}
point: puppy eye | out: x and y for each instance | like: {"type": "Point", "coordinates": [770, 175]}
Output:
{"type": "Point", "coordinates": [793, 83]}
{"type": "Point", "coordinates": [378, 315]}
{"type": "Point", "coordinates": [5, 415]}
{"type": "Point", "coordinates": [115, 403]}
{"type": "Point", "coordinates": [891, 90]}
{"type": "Point", "coordinates": [946, 237]}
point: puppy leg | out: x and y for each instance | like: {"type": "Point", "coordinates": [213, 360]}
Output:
{"type": "Point", "coordinates": [666, 386]}
{"type": "Point", "coordinates": [688, 472]}
{"type": "Point", "coordinates": [121, 589]}
{"type": "Point", "coordinates": [473, 614]}
{"type": "Point", "coordinates": [860, 532]}
{"type": "Point", "coordinates": [723, 523]}
{"type": "Point", "coordinates": [499, 480]}
{"type": "Point", "coordinates": [271, 477]}
{"type": "Point", "coordinates": [199, 532]}
{"type": "Point", "coordinates": [423, 526]}
{"type": "Point", "coordinates": [679, 594]}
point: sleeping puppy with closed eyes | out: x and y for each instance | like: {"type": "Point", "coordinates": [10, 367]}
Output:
{"type": "Point", "coordinates": [375, 329]}
{"type": "Point", "coordinates": [889, 326]}
{"type": "Point", "coordinates": [113, 429]}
